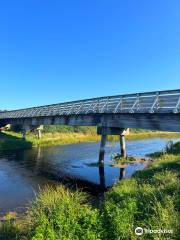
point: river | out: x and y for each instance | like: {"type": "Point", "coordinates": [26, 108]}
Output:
{"type": "Point", "coordinates": [24, 172]}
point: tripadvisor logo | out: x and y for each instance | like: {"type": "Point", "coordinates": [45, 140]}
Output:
{"type": "Point", "coordinates": [139, 231]}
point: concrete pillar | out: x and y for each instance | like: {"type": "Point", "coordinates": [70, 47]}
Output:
{"type": "Point", "coordinates": [39, 133]}
{"type": "Point", "coordinates": [123, 145]}
{"type": "Point", "coordinates": [102, 149]}
{"type": "Point", "coordinates": [25, 128]}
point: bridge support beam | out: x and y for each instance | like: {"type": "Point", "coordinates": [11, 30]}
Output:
{"type": "Point", "coordinates": [25, 128]}
{"type": "Point", "coordinates": [24, 134]}
{"type": "Point", "coordinates": [102, 149]}
{"type": "Point", "coordinates": [104, 132]}
{"type": "Point", "coordinates": [39, 131]}
{"type": "Point", "coordinates": [123, 145]}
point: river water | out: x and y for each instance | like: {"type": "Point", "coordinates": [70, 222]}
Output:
{"type": "Point", "coordinates": [23, 172]}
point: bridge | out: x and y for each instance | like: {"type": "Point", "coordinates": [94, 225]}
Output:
{"type": "Point", "coordinates": [112, 114]}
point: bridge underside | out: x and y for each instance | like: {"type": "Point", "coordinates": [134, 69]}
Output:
{"type": "Point", "coordinates": [107, 124]}
{"type": "Point", "coordinates": [155, 121]}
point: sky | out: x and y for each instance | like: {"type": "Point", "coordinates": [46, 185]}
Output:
{"type": "Point", "coordinates": [54, 51]}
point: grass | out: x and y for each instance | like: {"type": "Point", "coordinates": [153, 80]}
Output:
{"type": "Point", "coordinates": [57, 214]}
{"type": "Point", "coordinates": [10, 140]}
{"type": "Point", "coordinates": [150, 199]}
{"type": "Point", "coordinates": [151, 134]}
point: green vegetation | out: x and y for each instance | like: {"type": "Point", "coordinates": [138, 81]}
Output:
{"type": "Point", "coordinates": [122, 162]}
{"type": "Point", "coordinates": [58, 135]}
{"type": "Point", "coordinates": [69, 129]}
{"type": "Point", "coordinates": [150, 199]}
{"type": "Point", "coordinates": [11, 140]}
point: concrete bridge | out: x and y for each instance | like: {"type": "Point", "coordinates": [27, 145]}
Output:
{"type": "Point", "coordinates": [112, 114]}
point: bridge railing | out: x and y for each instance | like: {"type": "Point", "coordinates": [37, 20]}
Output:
{"type": "Point", "coordinates": [151, 102]}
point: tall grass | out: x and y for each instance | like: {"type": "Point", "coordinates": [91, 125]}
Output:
{"type": "Point", "coordinates": [61, 214]}
{"type": "Point", "coordinates": [150, 199]}
{"type": "Point", "coordinates": [13, 140]}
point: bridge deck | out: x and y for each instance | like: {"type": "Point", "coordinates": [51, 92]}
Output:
{"type": "Point", "coordinates": [150, 102]}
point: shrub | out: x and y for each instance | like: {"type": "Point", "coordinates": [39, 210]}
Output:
{"type": "Point", "coordinates": [61, 214]}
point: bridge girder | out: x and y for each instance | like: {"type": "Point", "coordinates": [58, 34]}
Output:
{"type": "Point", "coordinates": [156, 121]}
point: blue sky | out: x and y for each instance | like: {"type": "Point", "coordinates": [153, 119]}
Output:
{"type": "Point", "coordinates": [55, 51]}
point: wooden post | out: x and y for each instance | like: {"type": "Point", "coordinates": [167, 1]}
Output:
{"type": "Point", "coordinates": [123, 145]}
{"type": "Point", "coordinates": [102, 149]}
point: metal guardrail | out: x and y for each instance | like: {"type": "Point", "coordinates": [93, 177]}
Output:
{"type": "Point", "coordinates": [150, 102]}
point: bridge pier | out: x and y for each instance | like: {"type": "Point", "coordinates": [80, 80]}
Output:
{"type": "Point", "coordinates": [24, 131]}
{"type": "Point", "coordinates": [24, 134]}
{"type": "Point", "coordinates": [26, 128]}
{"type": "Point", "coordinates": [102, 148]}
{"type": "Point", "coordinates": [104, 132]}
{"type": "Point", "coordinates": [123, 145]}
{"type": "Point", "coordinates": [39, 131]}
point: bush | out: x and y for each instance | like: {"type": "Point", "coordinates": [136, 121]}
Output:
{"type": "Point", "coordinates": [61, 214]}
{"type": "Point", "coordinates": [66, 129]}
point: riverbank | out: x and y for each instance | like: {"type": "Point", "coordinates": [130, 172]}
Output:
{"type": "Point", "coordinates": [150, 199]}
{"type": "Point", "coordinates": [10, 140]}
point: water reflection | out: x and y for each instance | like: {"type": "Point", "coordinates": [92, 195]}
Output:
{"type": "Point", "coordinates": [122, 173]}
{"type": "Point", "coordinates": [102, 176]}
{"type": "Point", "coordinates": [23, 171]}
{"type": "Point", "coordinates": [102, 182]}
